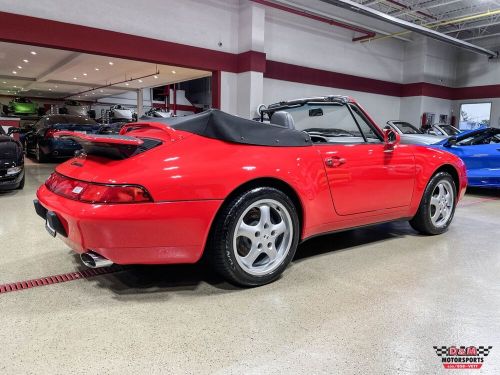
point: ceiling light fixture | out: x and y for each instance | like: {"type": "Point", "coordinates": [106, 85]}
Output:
{"type": "Point", "coordinates": [156, 77]}
{"type": "Point", "coordinates": [101, 90]}
{"type": "Point", "coordinates": [74, 78]}
{"type": "Point", "coordinates": [50, 89]}
{"type": "Point", "coordinates": [19, 67]}
{"type": "Point", "coordinates": [33, 52]}
{"type": "Point", "coordinates": [26, 60]}
{"type": "Point", "coordinates": [140, 80]}
{"type": "Point", "coordinates": [56, 87]}
{"type": "Point", "coordinates": [96, 69]}
{"type": "Point", "coordinates": [4, 82]}
{"type": "Point", "coordinates": [126, 84]}
{"type": "Point", "coordinates": [84, 74]}
{"type": "Point", "coordinates": [14, 72]}
{"type": "Point", "coordinates": [173, 72]}
{"type": "Point", "coordinates": [111, 63]}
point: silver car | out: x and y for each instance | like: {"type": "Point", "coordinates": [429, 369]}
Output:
{"type": "Point", "coordinates": [411, 134]}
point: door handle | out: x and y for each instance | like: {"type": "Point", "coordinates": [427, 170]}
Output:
{"type": "Point", "coordinates": [334, 161]}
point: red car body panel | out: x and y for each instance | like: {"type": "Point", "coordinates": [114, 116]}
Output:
{"type": "Point", "coordinates": [190, 176]}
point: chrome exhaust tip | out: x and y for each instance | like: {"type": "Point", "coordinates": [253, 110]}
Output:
{"type": "Point", "coordinates": [94, 260]}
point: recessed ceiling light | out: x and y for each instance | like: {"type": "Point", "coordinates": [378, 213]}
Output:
{"type": "Point", "coordinates": [101, 90]}
{"type": "Point", "coordinates": [126, 84]}
{"type": "Point", "coordinates": [111, 63]}
{"type": "Point", "coordinates": [14, 86]}
{"type": "Point", "coordinates": [96, 69]}
{"type": "Point", "coordinates": [19, 67]}
{"type": "Point", "coordinates": [26, 60]}
{"type": "Point", "coordinates": [74, 78]}
{"type": "Point", "coordinates": [84, 74]}
{"type": "Point", "coordinates": [93, 93]}
{"type": "Point", "coordinates": [4, 82]}
{"type": "Point", "coordinates": [156, 77]}
{"type": "Point", "coordinates": [140, 80]}
{"type": "Point", "coordinates": [173, 72]}
{"type": "Point", "coordinates": [33, 52]}
{"type": "Point", "coordinates": [14, 72]}
{"type": "Point", "coordinates": [50, 89]}
{"type": "Point", "coordinates": [86, 94]}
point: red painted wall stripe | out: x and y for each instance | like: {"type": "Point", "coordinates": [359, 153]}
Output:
{"type": "Point", "coordinates": [318, 77]}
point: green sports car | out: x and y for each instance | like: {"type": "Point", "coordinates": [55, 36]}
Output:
{"type": "Point", "coordinates": [21, 106]}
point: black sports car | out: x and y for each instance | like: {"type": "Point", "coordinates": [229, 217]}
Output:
{"type": "Point", "coordinates": [11, 162]}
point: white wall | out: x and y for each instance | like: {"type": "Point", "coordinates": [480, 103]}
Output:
{"type": "Point", "coordinates": [192, 22]}
{"type": "Point", "coordinates": [296, 40]}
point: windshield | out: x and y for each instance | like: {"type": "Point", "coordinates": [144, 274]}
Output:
{"type": "Point", "coordinates": [450, 130]}
{"type": "Point", "coordinates": [332, 122]}
{"type": "Point", "coordinates": [491, 136]}
{"type": "Point", "coordinates": [406, 128]}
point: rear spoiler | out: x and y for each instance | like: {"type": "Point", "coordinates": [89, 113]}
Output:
{"type": "Point", "coordinates": [109, 146]}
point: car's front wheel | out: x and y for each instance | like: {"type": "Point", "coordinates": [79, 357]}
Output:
{"type": "Point", "coordinates": [254, 237]}
{"type": "Point", "coordinates": [437, 206]}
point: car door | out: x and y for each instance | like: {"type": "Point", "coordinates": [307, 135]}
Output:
{"type": "Point", "coordinates": [365, 175]}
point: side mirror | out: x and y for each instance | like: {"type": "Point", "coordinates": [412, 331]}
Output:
{"type": "Point", "coordinates": [391, 139]}
{"type": "Point", "coordinates": [452, 141]}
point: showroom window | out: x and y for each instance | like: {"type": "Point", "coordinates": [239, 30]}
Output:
{"type": "Point", "coordinates": [474, 115]}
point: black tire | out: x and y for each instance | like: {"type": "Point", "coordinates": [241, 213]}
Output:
{"type": "Point", "coordinates": [21, 183]}
{"type": "Point", "coordinates": [422, 222]}
{"type": "Point", "coordinates": [39, 155]}
{"type": "Point", "coordinates": [220, 250]}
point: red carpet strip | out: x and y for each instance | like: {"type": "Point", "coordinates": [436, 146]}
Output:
{"type": "Point", "coordinates": [49, 280]}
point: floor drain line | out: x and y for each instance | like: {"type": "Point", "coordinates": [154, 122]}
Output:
{"type": "Point", "coordinates": [56, 279]}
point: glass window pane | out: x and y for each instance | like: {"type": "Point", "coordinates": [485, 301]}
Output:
{"type": "Point", "coordinates": [474, 115]}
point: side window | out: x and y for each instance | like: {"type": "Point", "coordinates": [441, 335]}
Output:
{"type": "Point", "coordinates": [332, 123]}
{"type": "Point", "coordinates": [363, 123]}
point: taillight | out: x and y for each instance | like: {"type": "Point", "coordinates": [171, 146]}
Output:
{"type": "Point", "coordinates": [49, 133]}
{"type": "Point", "coordinates": [96, 193]}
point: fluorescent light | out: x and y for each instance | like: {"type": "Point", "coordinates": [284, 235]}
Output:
{"type": "Point", "coordinates": [140, 80]}
{"type": "Point", "coordinates": [4, 82]}
{"type": "Point", "coordinates": [14, 86]}
{"type": "Point", "coordinates": [111, 63]}
{"type": "Point", "coordinates": [74, 78]}
{"type": "Point", "coordinates": [33, 52]}
{"type": "Point", "coordinates": [50, 89]}
{"type": "Point", "coordinates": [19, 67]}
{"type": "Point", "coordinates": [84, 74]}
{"type": "Point", "coordinates": [26, 60]}
{"type": "Point", "coordinates": [126, 84]}
{"type": "Point", "coordinates": [96, 69]}
{"type": "Point", "coordinates": [101, 90]}
{"type": "Point", "coordinates": [56, 87]}
{"type": "Point", "coordinates": [173, 72]}
{"type": "Point", "coordinates": [156, 77]}
{"type": "Point", "coordinates": [14, 72]}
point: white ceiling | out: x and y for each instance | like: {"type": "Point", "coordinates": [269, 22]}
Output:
{"type": "Point", "coordinates": [56, 74]}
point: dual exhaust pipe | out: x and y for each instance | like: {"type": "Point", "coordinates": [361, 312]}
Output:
{"type": "Point", "coordinates": [94, 260]}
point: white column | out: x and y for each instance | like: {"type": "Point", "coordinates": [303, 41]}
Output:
{"type": "Point", "coordinates": [140, 103]}
{"type": "Point", "coordinates": [249, 85]}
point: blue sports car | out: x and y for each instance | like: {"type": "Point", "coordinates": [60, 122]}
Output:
{"type": "Point", "coordinates": [480, 151]}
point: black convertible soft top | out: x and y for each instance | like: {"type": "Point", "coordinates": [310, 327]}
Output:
{"type": "Point", "coordinates": [221, 125]}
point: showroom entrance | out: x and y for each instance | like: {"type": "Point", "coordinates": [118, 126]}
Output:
{"type": "Point", "coordinates": [37, 80]}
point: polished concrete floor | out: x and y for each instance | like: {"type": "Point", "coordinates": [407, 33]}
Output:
{"type": "Point", "coordinates": [367, 301]}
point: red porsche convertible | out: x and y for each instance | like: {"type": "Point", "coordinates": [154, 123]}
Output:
{"type": "Point", "coordinates": [243, 192]}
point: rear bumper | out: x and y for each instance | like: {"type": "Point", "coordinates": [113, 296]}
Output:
{"type": "Point", "coordinates": [145, 233]}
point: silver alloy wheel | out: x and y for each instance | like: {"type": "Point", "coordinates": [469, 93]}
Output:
{"type": "Point", "coordinates": [442, 201]}
{"type": "Point", "coordinates": [263, 237]}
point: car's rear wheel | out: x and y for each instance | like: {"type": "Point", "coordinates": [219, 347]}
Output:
{"type": "Point", "coordinates": [39, 155]}
{"type": "Point", "coordinates": [437, 206]}
{"type": "Point", "coordinates": [254, 237]}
